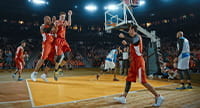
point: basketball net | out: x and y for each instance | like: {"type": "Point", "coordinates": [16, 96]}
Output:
{"type": "Point", "coordinates": [110, 23]}
{"type": "Point", "coordinates": [132, 3]}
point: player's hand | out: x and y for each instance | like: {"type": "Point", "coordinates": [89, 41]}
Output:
{"type": "Point", "coordinates": [66, 23]}
{"type": "Point", "coordinates": [70, 12]}
{"type": "Point", "coordinates": [176, 59]}
{"type": "Point", "coordinates": [124, 42]}
{"type": "Point", "coordinates": [53, 19]}
{"type": "Point", "coordinates": [121, 35]}
{"type": "Point", "coordinates": [56, 23]}
{"type": "Point", "coordinates": [54, 29]}
{"type": "Point", "coordinates": [24, 63]}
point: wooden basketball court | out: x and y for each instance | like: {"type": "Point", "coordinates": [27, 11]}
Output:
{"type": "Point", "coordinates": [80, 89]}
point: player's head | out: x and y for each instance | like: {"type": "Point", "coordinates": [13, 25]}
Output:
{"type": "Point", "coordinates": [118, 49]}
{"type": "Point", "coordinates": [47, 20]}
{"type": "Point", "coordinates": [125, 49]}
{"type": "Point", "coordinates": [179, 34]}
{"type": "Point", "coordinates": [132, 29]}
{"type": "Point", "coordinates": [62, 16]}
{"type": "Point", "coordinates": [53, 19]}
{"type": "Point", "coordinates": [23, 43]}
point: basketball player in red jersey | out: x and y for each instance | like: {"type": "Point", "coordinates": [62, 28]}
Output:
{"type": "Point", "coordinates": [137, 66]}
{"type": "Point", "coordinates": [61, 46]}
{"type": "Point", "coordinates": [48, 31]}
{"type": "Point", "coordinates": [19, 60]}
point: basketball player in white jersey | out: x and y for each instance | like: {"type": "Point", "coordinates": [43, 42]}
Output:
{"type": "Point", "coordinates": [183, 60]}
{"type": "Point", "coordinates": [110, 63]}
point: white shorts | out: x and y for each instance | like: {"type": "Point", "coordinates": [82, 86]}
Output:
{"type": "Point", "coordinates": [109, 65]}
{"type": "Point", "coordinates": [183, 63]}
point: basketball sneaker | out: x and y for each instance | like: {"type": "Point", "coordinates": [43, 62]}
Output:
{"type": "Point", "coordinates": [44, 77]}
{"type": "Point", "coordinates": [159, 101]}
{"type": "Point", "coordinates": [61, 73]}
{"type": "Point", "coordinates": [20, 79]}
{"type": "Point", "coordinates": [121, 99]}
{"type": "Point", "coordinates": [34, 76]}
{"type": "Point", "coordinates": [189, 87]}
{"type": "Point", "coordinates": [14, 75]}
{"type": "Point", "coordinates": [181, 87]}
{"type": "Point", "coordinates": [56, 73]}
{"type": "Point", "coordinates": [97, 76]}
{"type": "Point", "coordinates": [115, 79]}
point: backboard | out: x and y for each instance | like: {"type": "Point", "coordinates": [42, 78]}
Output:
{"type": "Point", "coordinates": [120, 16]}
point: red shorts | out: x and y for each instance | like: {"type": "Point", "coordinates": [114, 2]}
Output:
{"type": "Point", "coordinates": [19, 64]}
{"type": "Point", "coordinates": [46, 50]}
{"type": "Point", "coordinates": [51, 55]}
{"type": "Point", "coordinates": [137, 69]}
{"type": "Point", "coordinates": [61, 46]}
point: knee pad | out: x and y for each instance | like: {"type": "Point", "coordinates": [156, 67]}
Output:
{"type": "Point", "coordinates": [187, 75]}
{"type": "Point", "coordinates": [67, 56]}
{"type": "Point", "coordinates": [181, 74]}
{"type": "Point", "coordinates": [59, 58]}
{"type": "Point", "coordinates": [47, 63]}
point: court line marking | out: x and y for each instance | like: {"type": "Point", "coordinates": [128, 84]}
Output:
{"type": "Point", "coordinates": [1, 82]}
{"type": "Point", "coordinates": [131, 92]}
{"type": "Point", "coordinates": [14, 101]}
{"type": "Point", "coordinates": [30, 94]}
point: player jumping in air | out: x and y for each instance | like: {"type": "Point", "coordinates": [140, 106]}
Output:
{"type": "Point", "coordinates": [48, 31]}
{"type": "Point", "coordinates": [61, 46]}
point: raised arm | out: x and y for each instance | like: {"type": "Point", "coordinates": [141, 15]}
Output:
{"type": "Point", "coordinates": [69, 18]}
{"type": "Point", "coordinates": [69, 22]}
{"type": "Point", "coordinates": [130, 40]}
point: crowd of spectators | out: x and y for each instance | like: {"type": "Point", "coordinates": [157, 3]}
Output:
{"type": "Point", "coordinates": [90, 47]}
{"type": "Point", "coordinates": [7, 51]}
{"type": "Point", "coordinates": [94, 52]}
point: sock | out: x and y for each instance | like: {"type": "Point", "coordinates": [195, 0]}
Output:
{"type": "Point", "coordinates": [183, 84]}
{"type": "Point", "coordinates": [19, 77]}
{"type": "Point", "coordinates": [15, 72]}
{"type": "Point", "coordinates": [59, 67]}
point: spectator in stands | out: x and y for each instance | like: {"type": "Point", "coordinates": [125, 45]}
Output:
{"type": "Point", "coordinates": [26, 58]}
{"type": "Point", "coordinates": [102, 65]}
{"type": "Point", "coordinates": [1, 62]}
{"type": "Point", "coordinates": [173, 72]}
{"type": "Point", "coordinates": [1, 53]}
{"type": "Point", "coordinates": [165, 70]}
{"type": "Point", "coordinates": [120, 62]}
{"type": "Point", "coordinates": [125, 57]}
{"type": "Point", "coordinates": [8, 59]}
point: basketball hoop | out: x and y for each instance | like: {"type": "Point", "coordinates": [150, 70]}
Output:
{"type": "Point", "coordinates": [120, 19]}
{"type": "Point", "coordinates": [131, 3]}
{"type": "Point", "coordinates": [111, 24]}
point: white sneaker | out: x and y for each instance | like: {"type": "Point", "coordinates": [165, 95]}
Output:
{"type": "Point", "coordinates": [159, 101]}
{"type": "Point", "coordinates": [13, 75]}
{"type": "Point", "coordinates": [44, 77]}
{"type": "Point", "coordinates": [121, 99]}
{"type": "Point", "coordinates": [34, 76]}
